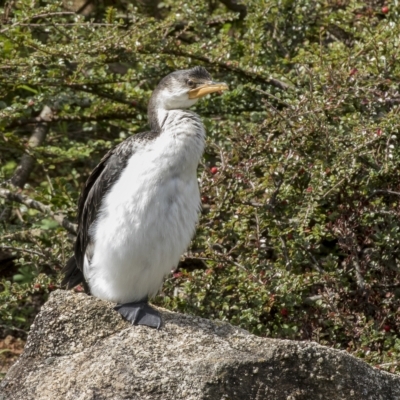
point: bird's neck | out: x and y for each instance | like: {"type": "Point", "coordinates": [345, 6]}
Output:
{"type": "Point", "coordinates": [182, 135]}
{"type": "Point", "coordinates": [161, 119]}
{"type": "Point", "coordinates": [180, 130]}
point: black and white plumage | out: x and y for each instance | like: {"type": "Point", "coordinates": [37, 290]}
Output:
{"type": "Point", "coordinates": [139, 208]}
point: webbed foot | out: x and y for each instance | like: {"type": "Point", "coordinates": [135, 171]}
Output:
{"type": "Point", "coordinates": [140, 313]}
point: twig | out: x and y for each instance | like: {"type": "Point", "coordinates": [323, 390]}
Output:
{"type": "Point", "coordinates": [19, 249]}
{"type": "Point", "coordinates": [333, 187]}
{"type": "Point", "coordinates": [13, 328]}
{"type": "Point", "coordinates": [285, 253]}
{"type": "Point", "coordinates": [272, 199]}
{"type": "Point", "coordinates": [253, 75]}
{"type": "Point", "coordinates": [388, 364]}
{"type": "Point", "coordinates": [54, 119]}
{"type": "Point", "coordinates": [383, 191]}
{"type": "Point", "coordinates": [111, 96]}
{"type": "Point", "coordinates": [45, 15]}
{"type": "Point", "coordinates": [359, 277]}
{"type": "Point", "coordinates": [328, 297]}
{"type": "Point", "coordinates": [271, 95]}
{"type": "Point", "coordinates": [37, 205]}
{"type": "Point", "coordinates": [15, 234]}
{"type": "Point", "coordinates": [312, 299]}
{"type": "Point", "coordinates": [84, 23]}
{"type": "Point", "coordinates": [385, 286]}
{"type": "Point", "coordinates": [7, 11]}
{"type": "Point", "coordinates": [252, 203]}
{"type": "Point", "coordinates": [236, 264]}
{"type": "Point", "coordinates": [316, 264]}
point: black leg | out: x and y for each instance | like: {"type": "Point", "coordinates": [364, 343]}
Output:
{"type": "Point", "coordinates": [140, 313]}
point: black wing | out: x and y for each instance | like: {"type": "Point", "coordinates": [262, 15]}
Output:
{"type": "Point", "coordinates": [100, 181]}
{"type": "Point", "coordinates": [98, 184]}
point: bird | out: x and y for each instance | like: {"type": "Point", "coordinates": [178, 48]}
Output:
{"type": "Point", "coordinates": [139, 208]}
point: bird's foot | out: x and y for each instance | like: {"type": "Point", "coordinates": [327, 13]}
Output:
{"type": "Point", "coordinates": [140, 313]}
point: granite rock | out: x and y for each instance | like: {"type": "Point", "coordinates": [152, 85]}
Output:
{"type": "Point", "coordinates": [79, 348]}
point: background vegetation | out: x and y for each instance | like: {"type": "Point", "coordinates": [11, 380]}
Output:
{"type": "Point", "coordinates": [299, 235]}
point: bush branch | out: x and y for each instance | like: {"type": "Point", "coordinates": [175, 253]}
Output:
{"type": "Point", "coordinates": [254, 76]}
{"type": "Point", "coordinates": [37, 205]}
{"type": "Point", "coordinates": [71, 118]}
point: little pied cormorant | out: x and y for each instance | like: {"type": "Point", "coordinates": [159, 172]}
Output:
{"type": "Point", "coordinates": [138, 210]}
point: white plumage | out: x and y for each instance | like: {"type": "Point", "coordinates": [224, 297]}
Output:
{"type": "Point", "coordinates": [149, 217]}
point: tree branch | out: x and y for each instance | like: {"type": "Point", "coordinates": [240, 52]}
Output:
{"type": "Point", "coordinates": [383, 191]}
{"type": "Point", "coordinates": [44, 15]}
{"type": "Point", "coordinates": [24, 169]}
{"type": "Point", "coordinates": [228, 66]}
{"type": "Point", "coordinates": [71, 118]}
{"type": "Point", "coordinates": [20, 250]}
{"type": "Point", "coordinates": [22, 172]}
{"type": "Point", "coordinates": [37, 205]}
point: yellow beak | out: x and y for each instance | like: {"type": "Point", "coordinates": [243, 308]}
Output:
{"type": "Point", "coordinates": [207, 88]}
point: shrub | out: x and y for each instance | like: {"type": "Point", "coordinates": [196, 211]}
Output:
{"type": "Point", "coordinates": [299, 233]}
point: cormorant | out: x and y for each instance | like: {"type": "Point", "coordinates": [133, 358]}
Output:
{"type": "Point", "coordinates": [138, 210]}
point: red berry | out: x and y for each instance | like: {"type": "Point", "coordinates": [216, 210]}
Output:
{"type": "Point", "coordinates": [353, 71]}
{"type": "Point", "coordinates": [386, 328]}
{"type": "Point", "coordinates": [134, 103]}
{"type": "Point", "coordinates": [214, 170]}
{"type": "Point", "coordinates": [309, 189]}
{"type": "Point", "coordinates": [79, 288]}
{"type": "Point", "coordinates": [36, 285]}
{"type": "Point", "coordinates": [379, 132]}
{"type": "Point", "coordinates": [51, 286]}
{"type": "Point", "coordinates": [204, 199]}
{"type": "Point", "coordinates": [385, 9]}
{"type": "Point", "coordinates": [177, 274]}
{"type": "Point", "coordinates": [284, 312]}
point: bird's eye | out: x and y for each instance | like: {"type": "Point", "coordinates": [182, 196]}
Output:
{"type": "Point", "coordinates": [191, 83]}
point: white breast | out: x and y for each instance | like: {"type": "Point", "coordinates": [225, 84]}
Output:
{"type": "Point", "coordinates": [148, 218]}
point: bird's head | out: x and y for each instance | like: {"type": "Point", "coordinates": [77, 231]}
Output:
{"type": "Point", "coordinates": [182, 89]}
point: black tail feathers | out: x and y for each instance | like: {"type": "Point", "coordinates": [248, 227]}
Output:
{"type": "Point", "coordinates": [73, 276]}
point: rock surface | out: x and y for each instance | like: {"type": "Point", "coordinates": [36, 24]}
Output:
{"type": "Point", "coordinates": [80, 349]}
